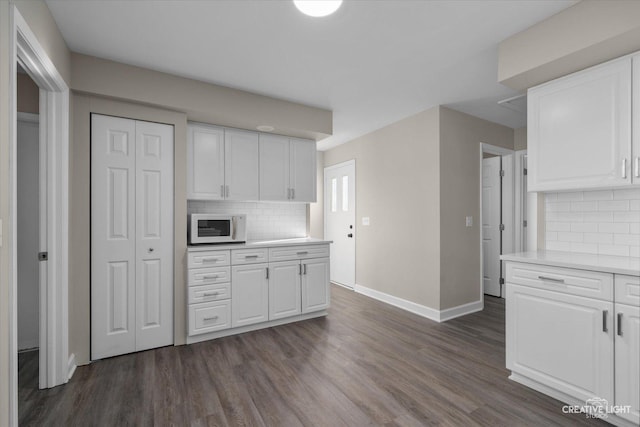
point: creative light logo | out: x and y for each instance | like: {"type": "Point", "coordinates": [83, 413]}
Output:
{"type": "Point", "coordinates": [596, 407]}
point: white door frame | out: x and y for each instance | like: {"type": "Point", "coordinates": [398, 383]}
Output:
{"type": "Point", "coordinates": [326, 204]}
{"type": "Point", "coordinates": [508, 233]}
{"type": "Point", "coordinates": [55, 363]}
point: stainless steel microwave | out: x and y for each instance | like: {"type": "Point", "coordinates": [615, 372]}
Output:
{"type": "Point", "coordinates": [216, 228]}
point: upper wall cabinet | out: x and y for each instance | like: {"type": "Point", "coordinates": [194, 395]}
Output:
{"type": "Point", "coordinates": [205, 157]}
{"type": "Point", "coordinates": [287, 169]}
{"type": "Point", "coordinates": [241, 165]}
{"type": "Point", "coordinates": [579, 130]}
{"type": "Point", "coordinates": [233, 164]}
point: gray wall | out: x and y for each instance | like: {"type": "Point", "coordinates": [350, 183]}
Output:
{"type": "Point", "coordinates": [397, 186]}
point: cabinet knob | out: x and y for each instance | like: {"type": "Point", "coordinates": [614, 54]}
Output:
{"type": "Point", "coordinates": [350, 235]}
{"type": "Point", "coordinates": [150, 249]}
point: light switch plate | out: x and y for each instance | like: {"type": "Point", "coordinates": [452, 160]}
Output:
{"type": "Point", "coordinates": [365, 220]}
{"type": "Point", "coordinates": [469, 221]}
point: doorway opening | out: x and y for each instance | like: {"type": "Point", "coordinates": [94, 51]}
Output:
{"type": "Point", "coordinates": [340, 221]}
{"type": "Point", "coordinates": [54, 363]}
{"type": "Point", "coordinates": [497, 215]}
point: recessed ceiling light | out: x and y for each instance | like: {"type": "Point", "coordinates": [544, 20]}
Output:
{"type": "Point", "coordinates": [317, 8]}
{"type": "Point", "coordinates": [265, 128]}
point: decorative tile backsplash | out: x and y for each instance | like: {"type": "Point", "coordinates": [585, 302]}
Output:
{"type": "Point", "coordinates": [265, 220]}
{"type": "Point", "coordinates": [598, 222]}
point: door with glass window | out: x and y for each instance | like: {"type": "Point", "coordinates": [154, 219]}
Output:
{"type": "Point", "coordinates": [340, 221]}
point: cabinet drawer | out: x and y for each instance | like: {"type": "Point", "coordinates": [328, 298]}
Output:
{"type": "Point", "coordinates": [206, 293]}
{"type": "Point", "coordinates": [208, 259]}
{"type": "Point", "coordinates": [627, 290]}
{"type": "Point", "coordinates": [209, 317]}
{"type": "Point", "coordinates": [249, 256]}
{"type": "Point", "coordinates": [566, 280]}
{"type": "Point", "coordinates": [209, 276]}
{"type": "Point", "coordinates": [287, 253]}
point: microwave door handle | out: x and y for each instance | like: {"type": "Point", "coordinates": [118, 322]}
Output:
{"type": "Point", "coordinates": [233, 228]}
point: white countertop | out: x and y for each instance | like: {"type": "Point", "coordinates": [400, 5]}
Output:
{"type": "Point", "coordinates": [604, 263]}
{"type": "Point", "coordinates": [260, 244]}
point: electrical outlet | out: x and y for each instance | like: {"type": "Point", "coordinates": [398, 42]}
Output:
{"type": "Point", "coordinates": [469, 221]}
{"type": "Point", "coordinates": [365, 220]}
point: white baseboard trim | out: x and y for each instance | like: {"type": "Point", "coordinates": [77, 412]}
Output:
{"type": "Point", "coordinates": [460, 310]}
{"type": "Point", "coordinates": [71, 366]}
{"type": "Point", "coordinates": [342, 286]}
{"type": "Point", "coordinates": [419, 309]}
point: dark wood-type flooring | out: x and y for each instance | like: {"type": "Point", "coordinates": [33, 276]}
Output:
{"type": "Point", "coordinates": [367, 363]}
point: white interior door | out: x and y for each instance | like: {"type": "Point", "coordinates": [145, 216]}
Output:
{"type": "Point", "coordinates": [131, 235]}
{"type": "Point", "coordinates": [340, 221]}
{"type": "Point", "coordinates": [154, 235]}
{"type": "Point", "coordinates": [491, 225]}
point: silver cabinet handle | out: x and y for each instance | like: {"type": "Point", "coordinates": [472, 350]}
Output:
{"type": "Point", "coordinates": [304, 268]}
{"type": "Point", "coordinates": [624, 168]}
{"type": "Point", "coordinates": [267, 272]}
{"type": "Point", "coordinates": [209, 294]}
{"type": "Point", "coordinates": [209, 259]}
{"type": "Point", "coordinates": [605, 314]}
{"type": "Point", "coordinates": [250, 256]}
{"type": "Point", "coordinates": [300, 269]}
{"type": "Point", "coordinates": [302, 253]}
{"type": "Point", "coordinates": [550, 279]}
{"type": "Point", "coordinates": [619, 324]}
{"type": "Point", "coordinates": [222, 191]}
{"type": "Point", "coordinates": [637, 166]}
{"type": "Point", "coordinates": [210, 318]}
{"type": "Point", "coordinates": [215, 276]}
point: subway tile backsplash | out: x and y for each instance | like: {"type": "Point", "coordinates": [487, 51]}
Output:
{"type": "Point", "coordinates": [597, 222]}
{"type": "Point", "coordinates": [265, 220]}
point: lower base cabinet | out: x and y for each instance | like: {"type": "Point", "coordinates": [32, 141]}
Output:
{"type": "Point", "coordinates": [627, 367]}
{"type": "Point", "coordinates": [236, 288]}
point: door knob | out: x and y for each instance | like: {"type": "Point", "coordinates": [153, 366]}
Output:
{"type": "Point", "coordinates": [350, 235]}
{"type": "Point", "coordinates": [150, 249]}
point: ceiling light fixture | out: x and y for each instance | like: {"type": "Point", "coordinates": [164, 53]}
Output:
{"type": "Point", "coordinates": [265, 128]}
{"type": "Point", "coordinates": [317, 8]}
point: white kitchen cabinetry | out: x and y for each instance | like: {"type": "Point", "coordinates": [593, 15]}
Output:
{"type": "Point", "coordinates": [303, 170]}
{"type": "Point", "coordinates": [315, 292]}
{"type": "Point", "coordinates": [284, 289]}
{"type": "Point", "coordinates": [241, 165]}
{"type": "Point", "coordinates": [249, 294]}
{"type": "Point", "coordinates": [575, 335]}
{"type": "Point", "coordinates": [579, 130]}
{"type": "Point", "coordinates": [205, 162]}
{"type": "Point", "coordinates": [274, 167]}
{"type": "Point", "coordinates": [627, 346]}
{"type": "Point", "coordinates": [209, 291]}
{"type": "Point", "coordinates": [287, 169]}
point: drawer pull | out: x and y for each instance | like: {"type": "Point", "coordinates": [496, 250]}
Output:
{"type": "Point", "coordinates": [624, 168]}
{"type": "Point", "coordinates": [250, 256]}
{"type": "Point", "coordinates": [215, 276]}
{"type": "Point", "coordinates": [302, 253]}
{"type": "Point", "coordinates": [605, 314]}
{"type": "Point", "coordinates": [620, 324]}
{"type": "Point", "coordinates": [267, 273]}
{"type": "Point", "coordinates": [304, 268]}
{"type": "Point", "coordinates": [210, 318]}
{"type": "Point", "coordinates": [209, 294]}
{"type": "Point", "coordinates": [209, 259]}
{"type": "Point", "coordinates": [550, 279]}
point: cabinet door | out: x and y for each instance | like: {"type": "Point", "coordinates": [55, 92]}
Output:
{"type": "Point", "coordinates": [635, 151]}
{"type": "Point", "coordinates": [579, 130]}
{"type": "Point", "coordinates": [562, 341]}
{"type": "Point", "coordinates": [274, 167]}
{"type": "Point", "coordinates": [241, 165]}
{"type": "Point", "coordinates": [205, 162]}
{"type": "Point", "coordinates": [249, 294]}
{"type": "Point", "coordinates": [627, 350]}
{"type": "Point", "coordinates": [303, 170]}
{"type": "Point", "coordinates": [284, 289]}
{"type": "Point", "coordinates": [315, 285]}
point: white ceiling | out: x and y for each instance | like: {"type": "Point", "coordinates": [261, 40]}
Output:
{"type": "Point", "coordinates": [371, 63]}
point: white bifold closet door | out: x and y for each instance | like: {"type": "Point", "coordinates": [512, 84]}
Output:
{"type": "Point", "coordinates": [131, 235]}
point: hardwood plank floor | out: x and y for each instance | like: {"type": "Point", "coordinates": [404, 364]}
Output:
{"type": "Point", "coordinates": [367, 363]}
